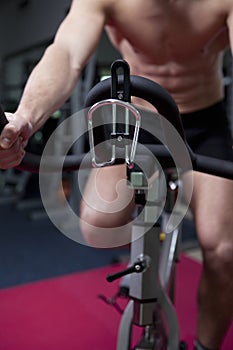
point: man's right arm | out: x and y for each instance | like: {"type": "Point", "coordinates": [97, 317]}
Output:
{"type": "Point", "coordinates": [53, 79]}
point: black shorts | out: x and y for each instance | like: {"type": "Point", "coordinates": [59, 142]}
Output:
{"type": "Point", "coordinates": [208, 132]}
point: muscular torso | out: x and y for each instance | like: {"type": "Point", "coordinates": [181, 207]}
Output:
{"type": "Point", "coordinates": [177, 43]}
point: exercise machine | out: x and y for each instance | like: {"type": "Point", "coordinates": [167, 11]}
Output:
{"type": "Point", "coordinates": [152, 264]}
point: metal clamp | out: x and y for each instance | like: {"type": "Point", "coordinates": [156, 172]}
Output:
{"type": "Point", "coordinates": [118, 138]}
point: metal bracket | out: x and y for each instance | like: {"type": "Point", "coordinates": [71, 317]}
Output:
{"type": "Point", "coordinates": [118, 138]}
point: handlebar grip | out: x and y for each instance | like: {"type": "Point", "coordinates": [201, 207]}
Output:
{"type": "Point", "coordinates": [3, 120]}
{"type": "Point", "coordinates": [212, 166]}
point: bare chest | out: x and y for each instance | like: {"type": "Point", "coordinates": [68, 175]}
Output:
{"type": "Point", "coordinates": [165, 30]}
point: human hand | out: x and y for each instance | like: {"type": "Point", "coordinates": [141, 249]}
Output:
{"type": "Point", "coordinates": [13, 140]}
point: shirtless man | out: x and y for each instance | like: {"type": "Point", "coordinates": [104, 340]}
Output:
{"type": "Point", "coordinates": [179, 44]}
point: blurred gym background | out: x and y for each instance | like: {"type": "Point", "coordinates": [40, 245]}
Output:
{"type": "Point", "coordinates": [31, 248]}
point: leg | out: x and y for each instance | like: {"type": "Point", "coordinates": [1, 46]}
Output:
{"type": "Point", "coordinates": [107, 204]}
{"type": "Point", "coordinates": [212, 205]}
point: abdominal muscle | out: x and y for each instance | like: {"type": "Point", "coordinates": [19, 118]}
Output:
{"type": "Point", "coordinates": [193, 79]}
{"type": "Point", "coordinates": [194, 84]}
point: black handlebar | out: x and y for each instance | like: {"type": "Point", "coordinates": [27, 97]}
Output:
{"type": "Point", "coordinates": [3, 120]}
{"type": "Point", "coordinates": [164, 104]}
{"type": "Point", "coordinates": [145, 89]}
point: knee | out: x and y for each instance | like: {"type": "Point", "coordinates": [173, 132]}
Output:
{"type": "Point", "coordinates": [90, 216]}
{"type": "Point", "coordinates": [218, 259]}
{"type": "Point", "coordinates": [217, 245]}
{"type": "Point", "coordinates": [103, 218]}
{"type": "Point", "coordinates": [217, 273]}
{"type": "Point", "coordinates": [104, 230]}
{"type": "Point", "coordinates": [90, 221]}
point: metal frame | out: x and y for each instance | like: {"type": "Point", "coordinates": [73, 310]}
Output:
{"type": "Point", "coordinates": [150, 306]}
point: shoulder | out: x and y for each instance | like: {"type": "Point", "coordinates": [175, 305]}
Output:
{"type": "Point", "coordinates": [90, 9]}
{"type": "Point", "coordinates": [90, 5]}
{"type": "Point", "coordinates": [229, 13]}
{"type": "Point", "coordinates": [226, 6]}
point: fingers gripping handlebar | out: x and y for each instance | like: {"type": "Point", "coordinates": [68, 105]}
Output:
{"type": "Point", "coordinates": [31, 162]}
{"type": "Point", "coordinates": [124, 87]}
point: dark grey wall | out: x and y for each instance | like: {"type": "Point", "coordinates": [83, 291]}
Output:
{"type": "Point", "coordinates": [25, 31]}
{"type": "Point", "coordinates": [24, 27]}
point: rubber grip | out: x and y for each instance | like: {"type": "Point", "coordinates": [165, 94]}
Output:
{"type": "Point", "coordinates": [3, 120]}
